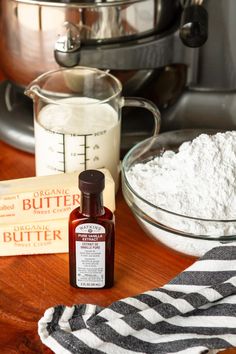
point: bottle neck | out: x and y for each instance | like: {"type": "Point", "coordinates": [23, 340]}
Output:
{"type": "Point", "coordinates": [91, 205]}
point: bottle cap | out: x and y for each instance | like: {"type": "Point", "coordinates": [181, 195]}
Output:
{"type": "Point", "coordinates": [91, 181]}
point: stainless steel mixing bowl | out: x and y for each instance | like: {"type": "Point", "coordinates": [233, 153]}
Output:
{"type": "Point", "coordinates": [31, 29]}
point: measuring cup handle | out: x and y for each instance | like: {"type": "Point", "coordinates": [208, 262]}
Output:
{"type": "Point", "coordinates": [144, 103]}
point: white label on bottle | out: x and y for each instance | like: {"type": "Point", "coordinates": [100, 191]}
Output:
{"type": "Point", "coordinates": [90, 255]}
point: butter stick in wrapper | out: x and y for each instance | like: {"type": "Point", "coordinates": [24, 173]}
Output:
{"type": "Point", "coordinates": [49, 236]}
{"type": "Point", "coordinates": [45, 198]}
{"type": "Point", "coordinates": [34, 212]}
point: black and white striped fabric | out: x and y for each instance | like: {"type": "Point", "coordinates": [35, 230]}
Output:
{"type": "Point", "coordinates": [194, 313]}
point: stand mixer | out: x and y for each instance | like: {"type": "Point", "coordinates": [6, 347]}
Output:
{"type": "Point", "coordinates": [155, 47]}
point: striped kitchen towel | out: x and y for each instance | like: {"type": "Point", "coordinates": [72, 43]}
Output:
{"type": "Point", "coordinates": [193, 313]}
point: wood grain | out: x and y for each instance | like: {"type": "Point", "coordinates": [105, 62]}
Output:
{"type": "Point", "coordinates": [31, 284]}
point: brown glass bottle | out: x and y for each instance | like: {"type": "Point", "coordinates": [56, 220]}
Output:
{"type": "Point", "coordinates": [91, 236]}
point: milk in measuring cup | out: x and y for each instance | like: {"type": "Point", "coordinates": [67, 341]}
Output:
{"type": "Point", "coordinates": [77, 133]}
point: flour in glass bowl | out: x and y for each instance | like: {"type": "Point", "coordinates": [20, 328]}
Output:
{"type": "Point", "coordinates": [198, 181]}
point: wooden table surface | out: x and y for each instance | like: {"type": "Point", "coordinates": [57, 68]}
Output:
{"type": "Point", "coordinates": [31, 284]}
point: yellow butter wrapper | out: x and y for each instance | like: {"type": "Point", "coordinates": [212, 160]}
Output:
{"type": "Point", "coordinates": [34, 212]}
{"type": "Point", "coordinates": [45, 198]}
{"type": "Point", "coordinates": [49, 236]}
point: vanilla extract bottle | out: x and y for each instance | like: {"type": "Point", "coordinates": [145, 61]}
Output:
{"type": "Point", "coordinates": [91, 236]}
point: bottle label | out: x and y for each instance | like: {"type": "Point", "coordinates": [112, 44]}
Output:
{"type": "Point", "coordinates": [90, 255]}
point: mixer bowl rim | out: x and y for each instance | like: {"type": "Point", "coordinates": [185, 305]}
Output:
{"type": "Point", "coordinates": [82, 4]}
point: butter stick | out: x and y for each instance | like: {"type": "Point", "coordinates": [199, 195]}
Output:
{"type": "Point", "coordinates": [50, 236]}
{"type": "Point", "coordinates": [45, 198]}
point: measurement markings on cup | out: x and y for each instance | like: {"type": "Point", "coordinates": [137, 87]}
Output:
{"type": "Point", "coordinates": [67, 152]}
{"type": "Point", "coordinates": [54, 152]}
{"type": "Point", "coordinates": [71, 149]}
{"type": "Point", "coordinates": [85, 150]}
{"type": "Point", "coordinates": [63, 162]}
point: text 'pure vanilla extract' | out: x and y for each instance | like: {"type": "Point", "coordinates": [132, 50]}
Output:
{"type": "Point", "coordinates": [91, 236]}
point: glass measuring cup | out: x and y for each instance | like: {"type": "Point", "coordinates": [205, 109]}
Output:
{"type": "Point", "coordinates": [77, 120]}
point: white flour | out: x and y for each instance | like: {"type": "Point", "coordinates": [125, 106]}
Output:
{"type": "Point", "coordinates": [197, 181]}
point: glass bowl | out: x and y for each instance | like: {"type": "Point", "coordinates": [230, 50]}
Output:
{"type": "Point", "coordinates": [186, 234]}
